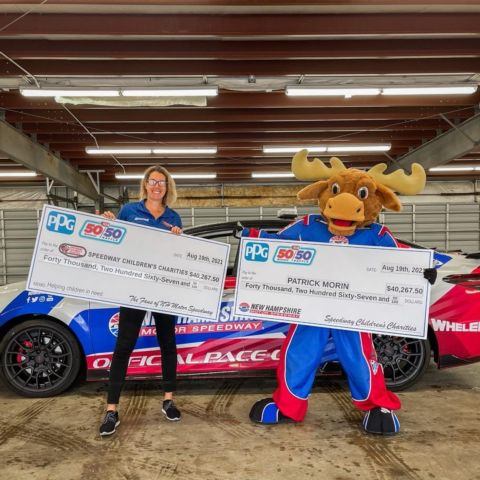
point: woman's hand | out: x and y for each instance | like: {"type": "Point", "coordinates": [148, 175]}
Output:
{"type": "Point", "coordinates": [109, 215]}
{"type": "Point", "coordinates": [176, 230]}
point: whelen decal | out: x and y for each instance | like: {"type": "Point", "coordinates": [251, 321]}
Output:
{"type": "Point", "coordinates": [447, 326]}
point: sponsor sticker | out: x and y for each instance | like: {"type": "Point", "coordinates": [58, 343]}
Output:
{"type": "Point", "coordinates": [244, 307]}
{"type": "Point", "coordinates": [103, 231]}
{"type": "Point", "coordinates": [294, 255]}
{"type": "Point", "coordinates": [74, 251]}
{"type": "Point", "coordinates": [256, 251]}
{"type": "Point", "coordinates": [339, 240]}
{"type": "Point", "coordinates": [113, 324]}
{"type": "Point", "coordinates": [60, 222]}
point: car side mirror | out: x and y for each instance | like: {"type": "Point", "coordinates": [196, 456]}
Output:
{"type": "Point", "coordinates": [470, 281]}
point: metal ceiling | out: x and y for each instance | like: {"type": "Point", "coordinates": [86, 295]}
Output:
{"type": "Point", "coordinates": [251, 50]}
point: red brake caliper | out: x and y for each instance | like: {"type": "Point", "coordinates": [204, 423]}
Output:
{"type": "Point", "coordinates": [25, 343]}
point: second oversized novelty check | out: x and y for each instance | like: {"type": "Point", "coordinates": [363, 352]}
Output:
{"type": "Point", "coordinates": [373, 289]}
{"type": "Point", "coordinates": [86, 256]}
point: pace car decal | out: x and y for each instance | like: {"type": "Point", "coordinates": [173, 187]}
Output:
{"type": "Point", "coordinates": [447, 326]}
{"type": "Point", "coordinates": [113, 324]}
{"type": "Point", "coordinates": [206, 357]}
{"type": "Point", "coordinates": [187, 325]}
{"type": "Point", "coordinates": [455, 318]}
{"type": "Point", "coordinates": [30, 302]}
{"type": "Point", "coordinates": [210, 357]}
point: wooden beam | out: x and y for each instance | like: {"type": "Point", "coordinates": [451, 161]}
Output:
{"type": "Point", "coordinates": [241, 26]}
{"type": "Point", "coordinates": [148, 115]}
{"type": "Point", "coordinates": [381, 66]}
{"type": "Point", "coordinates": [207, 49]}
{"type": "Point", "coordinates": [25, 151]}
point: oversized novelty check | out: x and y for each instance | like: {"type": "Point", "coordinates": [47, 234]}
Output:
{"type": "Point", "coordinates": [362, 288]}
{"type": "Point", "coordinates": [86, 256]}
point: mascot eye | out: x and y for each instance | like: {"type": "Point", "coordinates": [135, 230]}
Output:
{"type": "Point", "coordinates": [335, 188]}
{"type": "Point", "coordinates": [363, 193]}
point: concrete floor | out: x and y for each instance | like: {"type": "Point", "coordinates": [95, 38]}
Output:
{"type": "Point", "coordinates": [56, 438]}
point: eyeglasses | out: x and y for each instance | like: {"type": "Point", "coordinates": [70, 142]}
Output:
{"type": "Point", "coordinates": [153, 183]}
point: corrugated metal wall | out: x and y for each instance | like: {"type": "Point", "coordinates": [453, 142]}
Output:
{"type": "Point", "coordinates": [446, 226]}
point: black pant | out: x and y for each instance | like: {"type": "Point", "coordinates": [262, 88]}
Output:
{"type": "Point", "coordinates": [129, 325]}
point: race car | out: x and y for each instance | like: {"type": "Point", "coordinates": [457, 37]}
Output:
{"type": "Point", "coordinates": [49, 340]}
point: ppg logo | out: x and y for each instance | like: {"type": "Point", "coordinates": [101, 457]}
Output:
{"type": "Point", "coordinates": [61, 222]}
{"type": "Point", "coordinates": [256, 251]}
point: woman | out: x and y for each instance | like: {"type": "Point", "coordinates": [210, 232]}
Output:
{"type": "Point", "coordinates": [157, 191]}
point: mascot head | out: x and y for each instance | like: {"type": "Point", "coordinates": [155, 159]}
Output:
{"type": "Point", "coordinates": [351, 198]}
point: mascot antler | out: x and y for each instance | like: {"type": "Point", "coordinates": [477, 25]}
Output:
{"type": "Point", "coordinates": [304, 169]}
{"type": "Point", "coordinates": [399, 181]}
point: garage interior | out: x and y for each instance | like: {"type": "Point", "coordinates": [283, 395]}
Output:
{"type": "Point", "coordinates": [93, 92]}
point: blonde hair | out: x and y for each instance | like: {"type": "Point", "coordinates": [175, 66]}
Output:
{"type": "Point", "coordinates": [171, 194]}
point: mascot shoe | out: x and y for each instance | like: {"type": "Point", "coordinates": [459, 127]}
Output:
{"type": "Point", "coordinates": [381, 421]}
{"type": "Point", "coordinates": [266, 412]}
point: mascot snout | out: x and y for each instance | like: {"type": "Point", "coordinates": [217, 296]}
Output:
{"type": "Point", "coordinates": [343, 213]}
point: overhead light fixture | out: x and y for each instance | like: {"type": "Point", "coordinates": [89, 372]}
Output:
{"type": "Point", "coordinates": [152, 151]}
{"type": "Point", "coordinates": [178, 176]}
{"type": "Point", "coordinates": [188, 150]}
{"type": "Point", "coordinates": [294, 149]}
{"type": "Point", "coordinates": [187, 176]}
{"type": "Point", "coordinates": [272, 175]}
{"type": "Point", "coordinates": [359, 148]}
{"type": "Point", "coordinates": [207, 91]}
{"type": "Point", "coordinates": [18, 174]}
{"type": "Point", "coordinates": [129, 176]}
{"type": "Point", "coordinates": [118, 151]}
{"type": "Point", "coordinates": [65, 92]}
{"type": "Point", "coordinates": [453, 90]}
{"type": "Point", "coordinates": [462, 168]}
{"type": "Point", "coordinates": [331, 148]}
{"type": "Point", "coordinates": [306, 91]}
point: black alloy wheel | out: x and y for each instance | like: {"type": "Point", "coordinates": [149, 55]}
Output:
{"type": "Point", "coordinates": [404, 359]}
{"type": "Point", "coordinates": [39, 358]}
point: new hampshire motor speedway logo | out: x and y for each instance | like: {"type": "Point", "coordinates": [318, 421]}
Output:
{"type": "Point", "coordinates": [256, 251]}
{"type": "Point", "coordinates": [113, 324]}
{"type": "Point", "coordinates": [244, 307]}
{"type": "Point", "coordinates": [74, 251]}
{"type": "Point", "coordinates": [227, 321]}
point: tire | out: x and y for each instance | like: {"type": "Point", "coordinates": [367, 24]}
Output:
{"type": "Point", "coordinates": [39, 358]}
{"type": "Point", "coordinates": [404, 359]}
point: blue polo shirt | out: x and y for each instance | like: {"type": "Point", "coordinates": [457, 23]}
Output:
{"type": "Point", "coordinates": [136, 212]}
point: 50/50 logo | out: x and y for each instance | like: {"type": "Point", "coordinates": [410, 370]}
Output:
{"type": "Point", "coordinates": [102, 231]}
{"type": "Point", "coordinates": [294, 254]}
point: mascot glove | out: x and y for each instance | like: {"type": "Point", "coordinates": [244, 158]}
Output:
{"type": "Point", "coordinates": [430, 274]}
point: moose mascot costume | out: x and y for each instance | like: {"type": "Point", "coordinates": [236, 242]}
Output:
{"type": "Point", "coordinates": [350, 201]}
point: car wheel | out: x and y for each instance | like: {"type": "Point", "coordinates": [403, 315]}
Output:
{"type": "Point", "coordinates": [404, 359]}
{"type": "Point", "coordinates": [39, 358]}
